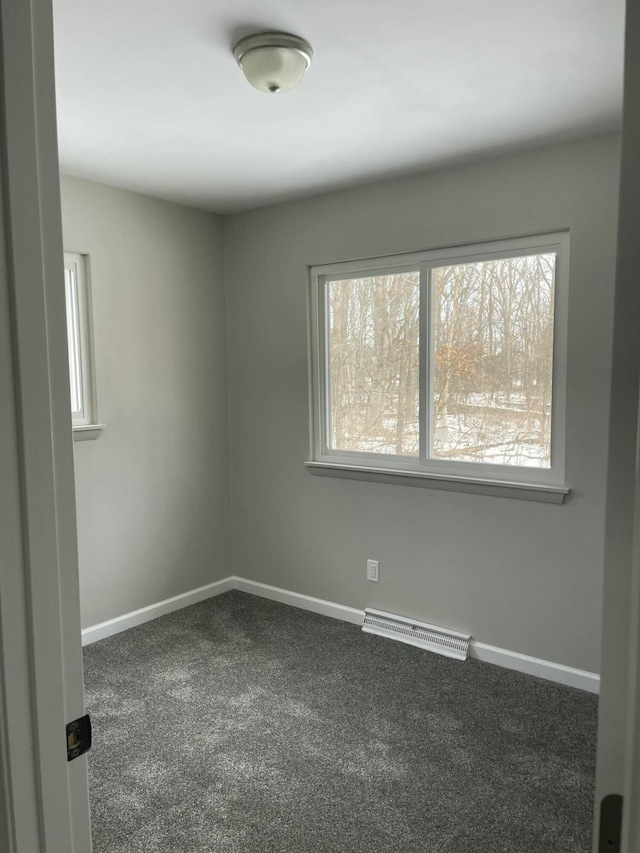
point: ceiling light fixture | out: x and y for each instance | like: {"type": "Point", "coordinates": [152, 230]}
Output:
{"type": "Point", "coordinates": [273, 62]}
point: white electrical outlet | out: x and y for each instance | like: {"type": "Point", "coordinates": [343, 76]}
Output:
{"type": "Point", "coordinates": [372, 570]}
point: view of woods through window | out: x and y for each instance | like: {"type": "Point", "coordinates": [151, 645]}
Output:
{"type": "Point", "coordinates": [375, 330]}
{"type": "Point", "coordinates": [490, 360]}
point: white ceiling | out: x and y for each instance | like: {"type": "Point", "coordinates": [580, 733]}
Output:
{"type": "Point", "coordinates": [150, 98]}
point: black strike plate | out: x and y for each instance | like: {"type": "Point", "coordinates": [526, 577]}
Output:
{"type": "Point", "coordinates": [78, 737]}
{"type": "Point", "coordinates": [610, 824]}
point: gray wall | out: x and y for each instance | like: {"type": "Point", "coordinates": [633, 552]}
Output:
{"type": "Point", "coordinates": [519, 575]}
{"type": "Point", "coordinates": [153, 490]}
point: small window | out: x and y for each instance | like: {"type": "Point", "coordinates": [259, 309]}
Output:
{"type": "Point", "coordinates": [448, 363]}
{"type": "Point", "coordinates": [79, 341]}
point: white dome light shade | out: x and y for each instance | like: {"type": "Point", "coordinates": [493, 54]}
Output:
{"type": "Point", "coordinates": [273, 62]}
{"type": "Point", "coordinates": [274, 69]}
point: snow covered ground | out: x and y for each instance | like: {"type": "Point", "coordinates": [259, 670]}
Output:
{"type": "Point", "coordinates": [480, 429]}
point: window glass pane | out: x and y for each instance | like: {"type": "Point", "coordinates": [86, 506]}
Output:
{"type": "Point", "coordinates": [73, 339]}
{"type": "Point", "coordinates": [373, 363]}
{"type": "Point", "coordinates": [493, 354]}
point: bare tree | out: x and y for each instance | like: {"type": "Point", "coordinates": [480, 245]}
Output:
{"type": "Point", "coordinates": [491, 361]}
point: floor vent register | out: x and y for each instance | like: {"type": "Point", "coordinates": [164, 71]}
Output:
{"type": "Point", "coordinates": [452, 644]}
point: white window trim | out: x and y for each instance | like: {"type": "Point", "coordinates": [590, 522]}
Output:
{"type": "Point", "coordinates": [85, 424]}
{"type": "Point", "coordinates": [87, 432]}
{"type": "Point", "coordinates": [538, 484]}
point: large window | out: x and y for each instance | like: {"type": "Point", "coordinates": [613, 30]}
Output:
{"type": "Point", "coordinates": [447, 363]}
{"type": "Point", "coordinates": [83, 406]}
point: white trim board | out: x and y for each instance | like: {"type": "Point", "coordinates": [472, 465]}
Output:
{"type": "Point", "coordinates": [557, 672]}
{"type": "Point", "coordinates": [153, 611]}
{"type": "Point", "coordinates": [304, 602]}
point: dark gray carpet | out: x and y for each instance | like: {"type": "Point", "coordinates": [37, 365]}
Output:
{"type": "Point", "coordinates": [244, 726]}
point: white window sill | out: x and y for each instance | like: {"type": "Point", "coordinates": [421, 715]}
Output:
{"type": "Point", "coordinates": [87, 432]}
{"type": "Point", "coordinates": [541, 492]}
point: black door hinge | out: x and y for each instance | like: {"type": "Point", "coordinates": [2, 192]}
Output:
{"type": "Point", "coordinates": [78, 737]}
{"type": "Point", "coordinates": [610, 824]}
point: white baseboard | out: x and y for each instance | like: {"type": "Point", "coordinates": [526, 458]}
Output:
{"type": "Point", "coordinates": [480, 651]}
{"type": "Point", "coordinates": [146, 614]}
{"type": "Point", "coordinates": [304, 602]}
{"type": "Point", "coordinates": [557, 672]}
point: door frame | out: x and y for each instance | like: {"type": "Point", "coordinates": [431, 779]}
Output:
{"type": "Point", "coordinates": [44, 806]}
{"type": "Point", "coordinates": [626, 376]}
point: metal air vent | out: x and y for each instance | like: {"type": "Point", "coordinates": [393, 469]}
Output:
{"type": "Point", "coordinates": [452, 644]}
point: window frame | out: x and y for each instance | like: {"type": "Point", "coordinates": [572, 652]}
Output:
{"type": "Point", "coordinates": [321, 455]}
{"type": "Point", "coordinates": [85, 422]}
